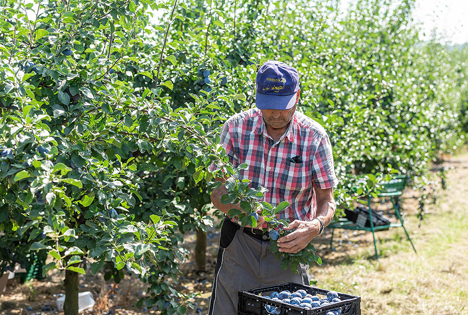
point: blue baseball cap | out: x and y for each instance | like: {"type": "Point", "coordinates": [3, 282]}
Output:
{"type": "Point", "coordinates": [277, 86]}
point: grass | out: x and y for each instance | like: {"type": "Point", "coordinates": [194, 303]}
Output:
{"type": "Point", "coordinates": [433, 281]}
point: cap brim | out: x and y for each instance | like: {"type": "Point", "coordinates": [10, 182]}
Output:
{"type": "Point", "coordinates": [264, 101]}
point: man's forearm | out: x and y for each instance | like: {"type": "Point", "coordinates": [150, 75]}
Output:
{"type": "Point", "coordinates": [326, 207]}
{"type": "Point", "coordinates": [216, 199]}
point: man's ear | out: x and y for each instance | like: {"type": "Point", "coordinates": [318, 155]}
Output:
{"type": "Point", "coordinates": [298, 95]}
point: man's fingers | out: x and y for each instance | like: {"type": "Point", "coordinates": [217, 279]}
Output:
{"type": "Point", "coordinates": [295, 248]}
{"type": "Point", "coordinates": [294, 224]}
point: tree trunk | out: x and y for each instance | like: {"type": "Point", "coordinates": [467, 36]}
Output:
{"type": "Point", "coordinates": [70, 307]}
{"type": "Point", "coordinates": [200, 251]}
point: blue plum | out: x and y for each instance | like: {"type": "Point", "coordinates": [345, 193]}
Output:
{"type": "Point", "coordinates": [307, 306]}
{"type": "Point", "coordinates": [295, 294]}
{"type": "Point", "coordinates": [40, 199]}
{"type": "Point", "coordinates": [274, 295]}
{"type": "Point", "coordinates": [274, 235]}
{"type": "Point", "coordinates": [6, 152]}
{"type": "Point", "coordinates": [296, 301]}
{"type": "Point", "coordinates": [303, 293]}
{"type": "Point", "coordinates": [307, 300]}
{"type": "Point", "coordinates": [67, 52]}
{"type": "Point", "coordinates": [42, 151]}
{"type": "Point", "coordinates": [284, 295]}
{"type": "Point", "coordinates": [331, 295]}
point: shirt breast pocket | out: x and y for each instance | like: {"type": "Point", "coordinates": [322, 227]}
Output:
{"type": "Point", "coordinates": [295, 176]}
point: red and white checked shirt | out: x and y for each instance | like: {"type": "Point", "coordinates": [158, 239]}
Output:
{"type": "Point", "coordinates": [246, 140]}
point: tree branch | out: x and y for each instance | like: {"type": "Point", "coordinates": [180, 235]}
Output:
{"type": "Point", "coordinates": [164, 43]}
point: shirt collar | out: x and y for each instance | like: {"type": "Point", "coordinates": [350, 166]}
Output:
{"type": "Point", "coordinates": [260, 128]}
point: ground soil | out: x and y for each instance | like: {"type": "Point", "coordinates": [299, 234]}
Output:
{"type": "Point", "coordinates": [433, 281]}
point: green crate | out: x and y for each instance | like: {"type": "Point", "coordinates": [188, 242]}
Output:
{"type": "Point", "coordinates": [394, 186]}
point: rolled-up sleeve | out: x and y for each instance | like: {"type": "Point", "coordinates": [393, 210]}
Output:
{"type": "Point", "coordinates": [322, 165]}
{"type": "Point", "coordinates": [227, 143]}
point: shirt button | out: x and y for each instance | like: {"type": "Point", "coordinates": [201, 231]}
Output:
{"type": "Point", "coordinates": [268, 168]}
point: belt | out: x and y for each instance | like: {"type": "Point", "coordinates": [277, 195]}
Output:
{"type": "Point", "coordinates": [257, 234]}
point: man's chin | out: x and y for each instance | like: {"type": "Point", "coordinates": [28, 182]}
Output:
{"type": "Point", "coordinates": [278, 125]}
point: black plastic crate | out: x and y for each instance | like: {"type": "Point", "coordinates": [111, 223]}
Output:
{"type": "Point", "coordinates": [360, 216]}
{"type": "Point", "coordinates": [251, 303]}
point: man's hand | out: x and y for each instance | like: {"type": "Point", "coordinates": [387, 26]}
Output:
{"type": "Point", "coordinates": [305, 232]}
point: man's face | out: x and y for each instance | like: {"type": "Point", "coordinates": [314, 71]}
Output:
{"type": "Point", "coordinates": [278, 119]}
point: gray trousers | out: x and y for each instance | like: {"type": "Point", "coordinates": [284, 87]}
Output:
{"type": "Point", "coordinates": [245, 263]}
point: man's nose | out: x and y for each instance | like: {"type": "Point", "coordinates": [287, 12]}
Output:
{"type": "Point", "coordinates": [276, 114]}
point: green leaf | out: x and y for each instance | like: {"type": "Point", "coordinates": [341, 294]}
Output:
{"type": "Point", "coordinates": [132, 6]}
{"type": "Point", "coordinates": [54, 254]}
{"type": "Point", "coordinates": [245, 206]}
{"type": "Point", "coordinates": [168, 84]}
{"type": "Point", "coordinates": [95, 267]}
{"type": "Point", "coordinates": [141, 249]}
{"type": "Point", "coordinates": [233, 212]}
{"type": "Point", "coordinates": [41, 33]}
{"type": "Point", "coordinates": [128, 121]}
{"type": "Point", "coordinates": [87, 200]}
{"type": "Point", "coordinates": [146, 73]}
{"type": "Point", "coordinates": [246, 220]}
{"type": "Point", "coordinates": [64, 98]}
{"type": "Point", "coordinates": [72, 181]}
{"type": "Point", "coordinates": [294, 266]}
{"type": "Point", "coordinates": [74, 260]}
{"type": "Point", "coordinates": [227, 199]}
{"type": "Point", "coordinates": [240, 97]}
{"type": "Point", "coordinates": [274, 247]}
{"type": "Point", "coordinates": [48, 267]}
{"type": "Point", "coordinates": [282, 205]}
{"type": "Point", "coordinates": [172, 59]}
{"type": "Point", "coordinates": [76, 269]}
{"type": "Point", "coordinates": [285, 263]}
{"type": "Point", "coordinates": [70, 232]}
{"type": "Point", "coordinates": [74, 251]}
{"type": "Point", "coordinates": [243, 166]}
{"type": "Point", "coordinates": [87, 92]}
{"type": "Point", "coordinates": [21, 175]}
{"type": "Point", "coordinates": [155, 218]}
{"type": "Point", "coordinates": [198, 176]}
{"type": "Point", "coordinates": [37, 246]}
{"type": "Point", "coordinates": [318, 260]}
{"type": "Point", "coordinates": [254, 221]}
{"type": "Point", "coordinates": [106, 108]}
{"type": "Point", "coordinates": [61, 167]}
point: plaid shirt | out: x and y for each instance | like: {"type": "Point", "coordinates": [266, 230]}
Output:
{"type": "Point", "coordinates": [290, 168]}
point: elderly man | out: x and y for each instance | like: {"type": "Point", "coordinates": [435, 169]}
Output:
{"type": "Point", "coordinates": [290, 155]}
